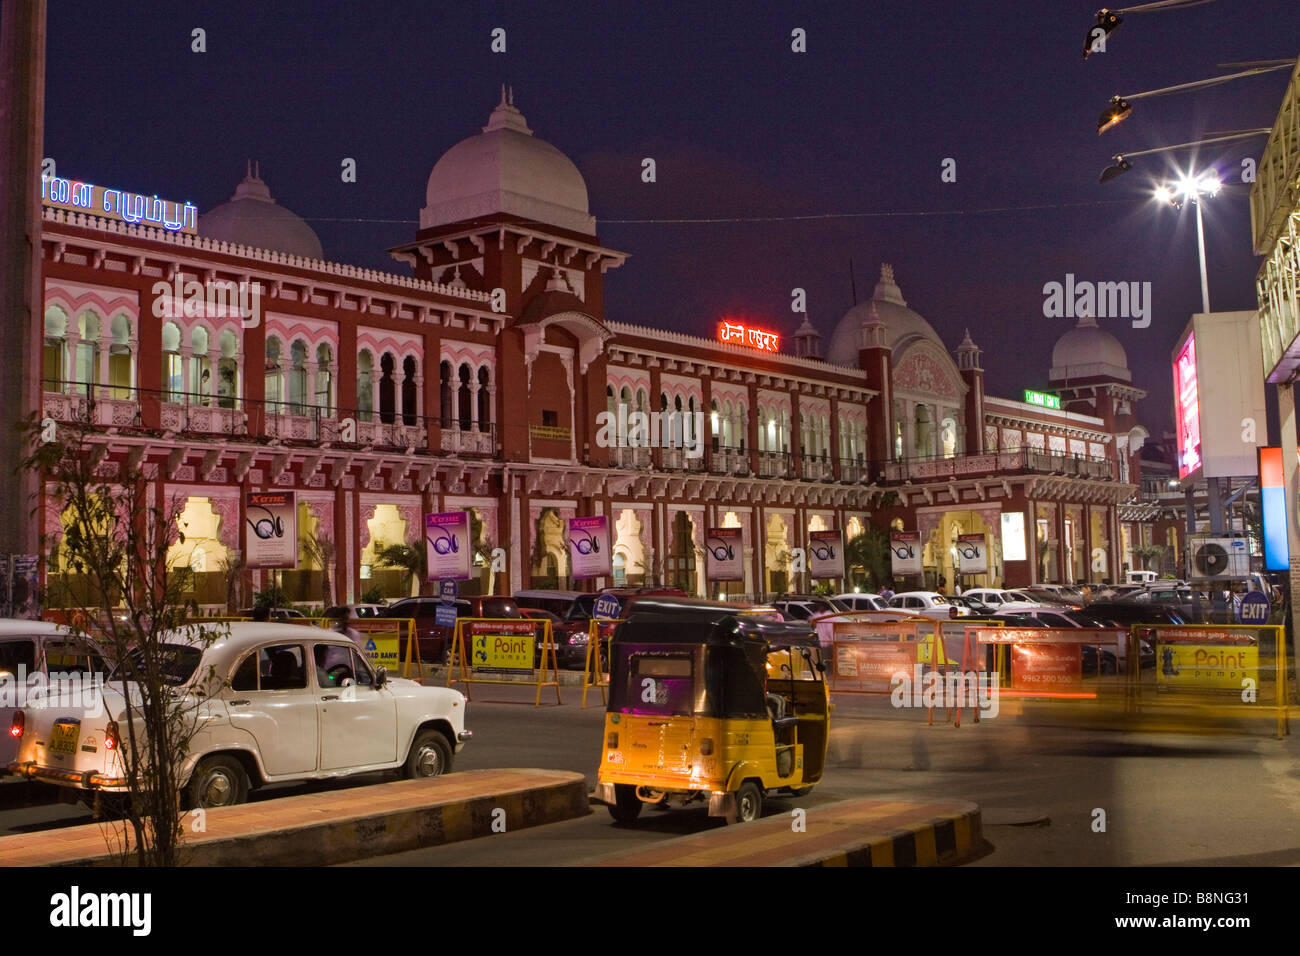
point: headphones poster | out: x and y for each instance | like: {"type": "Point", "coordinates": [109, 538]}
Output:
{"type": "Point", "coordinates": [271, 537]}
{"type": "Point", "coordinates": [446, 545]}
{"type": "Point", "coordinates": [825, 554]}
{"type": "Point", "coordinates": [725, 548]}
{"type": "Point", "coordinates": [972, 555]}
{"type": "Point", "coordinates": [589, 547]}
{"type": "Point", "coordinates": [906, 552]}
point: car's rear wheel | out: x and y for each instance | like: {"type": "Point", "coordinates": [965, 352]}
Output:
{"type": "Point", "coordinates": [627, 805]}
{"type": "Point", "coordinates": [217, 782]}
{"type": "Point", "coordinates": [430, 756]}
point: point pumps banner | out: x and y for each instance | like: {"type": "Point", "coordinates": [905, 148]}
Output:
{"type": "Point", "coordinates": [271, 532]}
{"type": "Point", "coordinates": [589, 547]}
{"type": "Point", "coordinates": [725, 554]}
{"type": "Point", "coordinates": [826, 554]}
{"type": "Point", "coordinates": [446, 544]}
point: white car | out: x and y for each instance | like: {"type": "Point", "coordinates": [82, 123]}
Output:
{"type": "Point", "coordinates": [996, 597]}
{"type": "Point", "coordinates": [284, 702]}
{"type": "Point", "coordinates": [930, 604]}
{"type": "Point", "coordinates": [862, 602]}
{"type": "Point", "coordinates": [31, 648]}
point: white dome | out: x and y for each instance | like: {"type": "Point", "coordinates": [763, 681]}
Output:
{"type": "Point", "coordinates": [903, 326]}
{"type": "Point", "coordinates": [1087, 351]}
{"type": "Point", "coordinates": [253, 218]}
{"type": "Point", "coordinates": [506, 169]}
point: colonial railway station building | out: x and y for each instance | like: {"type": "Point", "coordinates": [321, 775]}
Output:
{"type": "Point", "coordinates": [473, 380]}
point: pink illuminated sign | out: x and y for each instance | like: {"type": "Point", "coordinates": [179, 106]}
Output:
{"type": "Point", "coordinates": [1188, 410]}
{"type": "Point", "coordinates": [741, 334]}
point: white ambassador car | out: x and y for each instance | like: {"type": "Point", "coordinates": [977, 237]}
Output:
{"type": "Point", "coordinates": [276, 703]}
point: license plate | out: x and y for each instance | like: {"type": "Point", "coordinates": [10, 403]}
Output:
{"type": "Point", "coordinates": [64, 736]}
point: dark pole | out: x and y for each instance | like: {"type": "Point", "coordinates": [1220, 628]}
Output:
{"type": "Point", "coordinates": [22, 117]}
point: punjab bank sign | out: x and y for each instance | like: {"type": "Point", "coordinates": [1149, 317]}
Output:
{"type": "Point", "coordinates": [725, 554]}
{"type": "Point", "coordinates": [271, 535]}
{"type": "Point", "coordinates": [589, 547]}
{"type": "Point", "coordinates": [738, 334]}
{"type": "Point", "coordinates": [446, 545]}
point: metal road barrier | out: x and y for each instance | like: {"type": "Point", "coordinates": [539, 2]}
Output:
{"type": "Point", "coordinates": [503, 646]}
{"type": "Point", "coordinates": [1061, 663]}
{"type": "Point", "coordinates": [595, 668]}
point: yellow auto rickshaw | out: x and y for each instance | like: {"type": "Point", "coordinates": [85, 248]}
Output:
{"type": "Point", "coordinates": [711, 704]}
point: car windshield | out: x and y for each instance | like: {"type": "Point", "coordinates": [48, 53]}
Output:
{"type": "Point", "coordinates": [178, 663]}
{"type": "Point", "coordinates": [938, 599]}
{"type": "Point", "coordinates": [582, 607]}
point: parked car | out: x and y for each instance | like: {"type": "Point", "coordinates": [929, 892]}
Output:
{"type": "Point", "coordinates": [558, 603]}
{"type": "Point", "coordinates": [1191, 605]}
{"type": "Point", "coordinates": [275, 703]}
{"type": "Point", "coordinates": [930, 604]}
{"type": "Point", "coordinates": [435, 641]}
{"type": "Point", "coordinates": [864, 601]}
{"type": "Point", "coordinates": [1050, 595]}
{"type": "Point", "coordinates": [28, 648]}
{"type": "Point", "coordinates": [578, 618]}
{"type": "Point", "coordinates": [975, 605]}
{"type": "Point", "coordinates": [281, 614]}
{"type": "Point", "coordinates": [800, 608]}
{"type": "Point", "coordinates": [994, 597]}
{"type": "Point", "coordinates": [570, 646]}
{"type": "Point", "coordinates": [361, 612]}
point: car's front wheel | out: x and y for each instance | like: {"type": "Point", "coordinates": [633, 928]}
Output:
{"type": "Point", "coordinates": [217, 782]}
{"type": "Point", "coordinates": [430, 756]}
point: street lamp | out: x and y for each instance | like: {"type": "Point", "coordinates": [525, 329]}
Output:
{"type": "Point", "coordinates": [1192, 189]}
{"type": "Point", "coordinates": [1119, 108]}
{"type": "Point", "coordinates": [1108, 21]}
{"type": "Point", "coordinates": [1123, 160]}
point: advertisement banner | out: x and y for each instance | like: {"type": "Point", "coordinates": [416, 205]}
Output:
{"type": "Point", "coordinates": [26, 591]}
{"type": "Point", "coordinates": [1187, 409]}
{"type": "Point", "coordinates": [1222, 666]}
{"type": "Point", "coordinates": [1013, 536]}
{"type": "Point", "coordinates": [589, 547]}
{"type": "Point", "coordinates": [446, 545]}
{"type": "Point", "coordinates": [725, 554]}
{"type": "Point", "coordinates": [972, 554]}
{"type": "Point", "coordinates": [905, 547]}
{"type": "Point", "coordinates": [272, 538]}
{"type": "Point", "coordinates": [502, 647]}
{"type": "Point", "coordinates": [826, 554]}
{"type": "Point", "coordinates": [1051, 668]}
{"type": "Point", "coordinates": [871, 665]}
{"type": "Point", "coordinates": [382, 650]}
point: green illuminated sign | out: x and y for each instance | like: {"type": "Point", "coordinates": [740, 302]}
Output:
{"type": "Point", "coordinates": [1042, 399]}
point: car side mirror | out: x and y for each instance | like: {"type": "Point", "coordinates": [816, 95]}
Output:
{"type": "Point", "coordinates": [381, 677]}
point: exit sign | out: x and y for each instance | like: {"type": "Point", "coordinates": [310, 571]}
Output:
{"type": "Point", "coordinates": [1042, 399]}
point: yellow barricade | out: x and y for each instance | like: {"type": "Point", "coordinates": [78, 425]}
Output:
{"type": "Point", "coordinates": [594, 668]}
{"type": "Point", "coordinates": [512, 649]}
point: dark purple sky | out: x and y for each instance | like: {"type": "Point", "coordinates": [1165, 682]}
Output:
{"type": "Point", "coordinates": [739, 126]}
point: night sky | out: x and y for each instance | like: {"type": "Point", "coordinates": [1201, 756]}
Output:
{"type": "Point", "coordinates": [740, 127]}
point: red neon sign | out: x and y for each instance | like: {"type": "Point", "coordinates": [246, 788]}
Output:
{"type": "Point", "coordinates": [740, 334]}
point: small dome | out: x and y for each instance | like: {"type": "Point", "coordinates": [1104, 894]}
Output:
{"type": "Point", "coordinates": [253, 218]}
{"type": "Point", "coordinates": [506, 169]}
{"type": "Point", "coordinates": [1088, 351]}
{"type": "Point", "coordinates": [887, 306]}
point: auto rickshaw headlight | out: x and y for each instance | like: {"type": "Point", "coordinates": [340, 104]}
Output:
{"type": "Point", "coordinates": [706, 746]}
{"type": "Point", "coordinates": [611, 740]}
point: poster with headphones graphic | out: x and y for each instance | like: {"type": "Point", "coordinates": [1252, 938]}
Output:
{"type": "Point", "coordinates": [589, 547]}
{"type": "Point", "coordinates": [725, 554]}
{"type": "Point", "coordinates": [905, 548]}
{"type": "Point", "coordinates": [825, 554]}
{"type": "Point", "coordinates": [446, 545]}
{"type": "Point", "coordinates": [972, 554]}
{"type": "Point", "coordinates": [271, 529]}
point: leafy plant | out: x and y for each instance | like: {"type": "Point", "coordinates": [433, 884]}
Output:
{"type": "Point", "coordinates": [870, 551]}
{"type": "Point", "coordinates": [372, 595]}
{"type": "Point", "coordinates": [404, 557]}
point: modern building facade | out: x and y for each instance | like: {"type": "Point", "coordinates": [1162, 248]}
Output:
{"type": "Point", "coordinates": [475, 381]}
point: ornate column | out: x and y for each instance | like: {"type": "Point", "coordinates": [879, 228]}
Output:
{"type": "Point", "coordinates": [101, 370]}
{"type": "Point", "coordinates": [187, 355]}
{"type": "Point", "coordinates": [214, 375]}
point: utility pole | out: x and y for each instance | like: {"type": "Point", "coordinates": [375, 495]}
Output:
{"type": "Point", "coordinates": [22, 123]}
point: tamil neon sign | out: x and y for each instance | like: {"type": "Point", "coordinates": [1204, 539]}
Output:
{"type": "Point", "coordinates": [117, 204]}
{"type": "Point", "coordinates": [1042, 399]}
{"type": "Point", "coordinates": [739, 334]}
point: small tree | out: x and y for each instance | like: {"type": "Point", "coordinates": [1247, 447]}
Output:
{"type": "Point", "coordinates": [117, 539]}
{"type": "Point", "coordinates": [405, 557]}
{"type": "Point", "coordinates": [870, 551]}
{"type": "Point", "coordinates": [1151, 555]}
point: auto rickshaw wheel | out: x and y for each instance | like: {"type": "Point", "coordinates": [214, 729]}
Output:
{"type": "Point", "coordinates": [749, 802]}
{"type": "Point", "coordinates": [626, 806]}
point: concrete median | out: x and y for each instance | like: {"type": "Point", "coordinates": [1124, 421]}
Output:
{"type": "Point", "coordinates": [338, 826]}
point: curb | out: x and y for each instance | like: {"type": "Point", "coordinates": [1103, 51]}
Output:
{"type": "Point", "coordinates": [339, 826]}
{"type": "Point", "coordinates": [875, 833]}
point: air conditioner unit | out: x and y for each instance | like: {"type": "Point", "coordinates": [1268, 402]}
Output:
{"type": "Point", "coordinates": [1218, 558]}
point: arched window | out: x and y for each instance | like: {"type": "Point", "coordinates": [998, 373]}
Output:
{"type": "Point", "coordinates": [121, 371]}
{"type": "Point", "coordinates": [274, 377]}
{"type": "Point", "coordinates": [53, 372]}
{"type": "Point", "coordinates": [742, 426]}
{"type": "Point", "coordinates": [825, 443]}
{"type": "Point", "coordinates": [200, 367]}
{"type": "Point", "coordinates": [365, 386]}
{"type": "Point", "coordinates": [464, 411]}
{"type": "Point", "coordinates": [609, 400]}
{"type": "Point", "coordinates": [409, 404]}
{"type": "Point", "coordinates": [387, 389]}
{"type": "Point", "coordinates": [298, 377]}
{"type": "Point", "coordinates": [86, 370]}
{"type": "Point", "coordinates": [444, 394]}
{"type": "Point", "coordinates": [715, 425]}
{"type": "Point", "coordinates": [642, 400]}
{"type": "Point", "coordinates": [173, 376]}
{"type": "Point", "coordinates": [762, 429]}
{"type": "Point", "coordinates": [228, 371]}
{"type": "Point", "coordinates": [484, 400]}
{"type": "Point", "coordinates": [325, 379]}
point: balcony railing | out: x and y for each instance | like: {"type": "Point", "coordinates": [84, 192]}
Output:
{"type": "Point", "coordinates": [467, 441]}
{"type": "Point", "coordinates": [730, 461]}
{"type": "Point", "coordinates": [633, 459]}
{"type": "Point", "coordinates": [773, 464]}
{"type": "Point", "coordinates": [1026, 459]}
